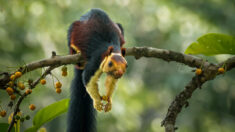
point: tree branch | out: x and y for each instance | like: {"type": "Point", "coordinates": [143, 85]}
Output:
{"type": "Point", "coordinates": [209, 73]}
{"type": "Point", "coordinates": [137, 52]}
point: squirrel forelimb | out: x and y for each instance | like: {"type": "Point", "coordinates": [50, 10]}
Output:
{"type": "Point", "coordinates": [93, 90]}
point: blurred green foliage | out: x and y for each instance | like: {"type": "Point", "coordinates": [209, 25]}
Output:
{"type": "Point", "coordinates": [30, 30]}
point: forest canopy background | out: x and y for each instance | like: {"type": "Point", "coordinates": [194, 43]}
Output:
{"type": "Point", "coordinates": [30, 30]}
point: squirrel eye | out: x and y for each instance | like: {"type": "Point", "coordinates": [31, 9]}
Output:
{"type": "Point", "coordinates": [123, 50]}
{"type": "Point", "coordinates": [110, 64]}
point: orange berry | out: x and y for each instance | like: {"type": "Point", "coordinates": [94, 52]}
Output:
{"type": "Point", "coordinates": [64, 73]}
{"type": "Point", "coordinates": [28, 91]}
{"type": "Point", "coordinates": [43, 81]}
{"type": "Point", "coordinates": [105, 98]}
{"type": "Point", "coordinates": [3, 113]}
{"type": "Point", "coordinates": [13, 97]}
{"type": "Point", "coordinates": [11, 83]}
{"type": "Point", "coordinates": [221, 70]}
{"type": "Point", "coordinates": [21, 86]}
{"type": "Point", "coordinates": [12, 77]}
{"type": "Point", "coordinates": [10, 90]}
{"type": "Point", "coordinates": [32, 107]}
{"type": "Point", "coordinates": [58, 85]}
{"type": "Point", "coordinates": [58, 90]}
{"type": "Point", "coordinates": [64, 69]}
{"type": "Point", "coordinates": [198, 71]}
{"type": "Point", "coordinates": [18, 74]}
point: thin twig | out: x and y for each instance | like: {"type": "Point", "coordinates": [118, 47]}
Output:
{"type": "Point", "coordinates": [32, 86]}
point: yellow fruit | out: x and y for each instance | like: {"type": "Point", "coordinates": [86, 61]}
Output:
{"type": "Point", "coordinates": [64, 69]}
{"type": "Point", "coordinates": [32, 107]}
{"type": "Point", "coordinates": [10, 90]}
{"type": "Point", "coordinates": [13, 97]}
{"type": "Point", "coordinates": [58, 90]}
{"type": "Point", "coordinates": [18, 74]}
{"type": "Point", "coordinates": [3, 113]}
{"type": "Point", "coordinates": [12, 77]}
{"type": "Point", "coordinates": [28, 91]}
{"type": "Point", "coordinates": [58, 85]}
{"type": "Point", "coordinates": [43, 81]}
{"type": "Point", "coordinates": [105, 98]}
{"type": "Point", "coordinates": [21, 86]}
{"type": "Point", "coordinates": [198, 71]}
{"type": "Point", "coordinates": [11, 83]}
{"type": "Point", "coordinates": [64, 73]}
{"type": "Point", "coordinates": [221, 70]}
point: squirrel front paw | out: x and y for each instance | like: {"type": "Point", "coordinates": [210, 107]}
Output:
{"type": "Point", "coordinates": [98, 105]}
{"type": "Point", "coordinates": [108, 107]}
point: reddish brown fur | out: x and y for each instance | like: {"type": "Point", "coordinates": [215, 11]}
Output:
{"type": "Point", "coordinates": [81, 31]}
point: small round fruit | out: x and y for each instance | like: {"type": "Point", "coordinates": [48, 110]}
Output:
{"type": "Point", "coordinates": [21, 86]}
{"type": "Point", "coordinates": [198, 71]}
{"type": "Point", "coordinates": [28, 91]}
{"type": "Point", "coordinates": [13, 97]}
{"type": "Point", "coordinates": [58, 85]}
{"type": "Point", "coordinates": [64, 69]}
{"type": "Point", "coordinates": [58, 90]}
{"type": "Point", "coordinates": [12, 77]}
{"type": "Point", "coordinates": [17, 117]}
{"type": "Point", "coordinates": [43, 81]}
{"type": "Point", "coordinates": [221, 70]}
{"type": "Point", "coordinates": [10, 90]}
{"type": "Point", "coordinates": [105, 98]}
{"type": "Point", "coordinates": [11, 83]}
{"type": "Point", "coordinates": [32, 107]}
{"type": "Point", "coordinates": [64, 73]}
{"type": "Point", "coordinates": [27, 117]}
{"type": "Point", "coordinates": [22, 119]}
{"type": "Point", "coordinates": [18, 74]}
{"type": "Point", "coordinates": [3, 113]}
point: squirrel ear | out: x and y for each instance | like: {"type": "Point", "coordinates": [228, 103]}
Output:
{"type": "Point", "coordinates": [110, 50]}
{"type": "Point", "coordinates": [123, 50]}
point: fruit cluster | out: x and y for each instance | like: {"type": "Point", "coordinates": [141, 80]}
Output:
{"type": "Point", "coordinates": [15, 86]}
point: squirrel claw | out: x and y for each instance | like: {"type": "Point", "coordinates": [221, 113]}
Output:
{"type": "Point", "coordinates": [108, 107]}
{"type": "Point", "coordinates": [98, 106]}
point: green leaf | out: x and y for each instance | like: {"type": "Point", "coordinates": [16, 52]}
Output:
{"type": "Point", "coordinates": [212, 44]}
{"type": "Point", "coordinates": [4, 127]}
{"type": "Point", "coordinates": [48, 113]}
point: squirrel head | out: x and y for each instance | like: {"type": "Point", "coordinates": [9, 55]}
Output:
{"type": "Point", "coordinates": [114, 64]}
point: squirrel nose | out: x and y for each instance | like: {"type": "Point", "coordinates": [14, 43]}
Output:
{"type": "Point", "coordinates": [120, 72]}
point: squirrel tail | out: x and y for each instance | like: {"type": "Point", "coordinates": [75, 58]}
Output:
{"type": "Point", "coordinates": [81, 114]}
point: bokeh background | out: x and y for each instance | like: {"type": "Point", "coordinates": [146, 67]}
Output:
{"type": "Point", "coordinates": [30, 30]}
